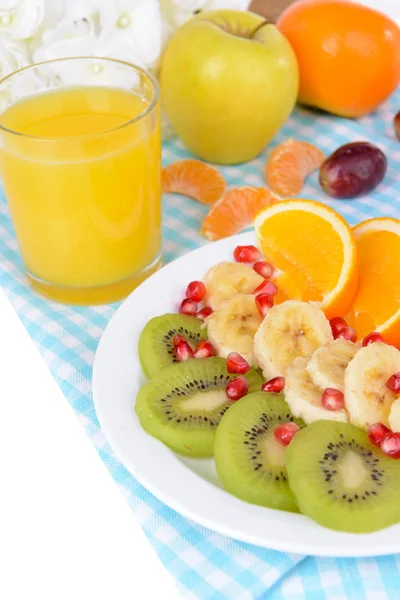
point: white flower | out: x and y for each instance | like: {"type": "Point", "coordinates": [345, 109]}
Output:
{"type": "Point", "coordinates": [14, 55]}
{"type": "Point", "coordinates": [21, 19]}
{"type": "Point", "coordinates": [133, 26]}
{"type": "Point", "coordinates": [68, 38]}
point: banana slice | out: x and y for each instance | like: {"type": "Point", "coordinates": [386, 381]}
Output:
{"type": "Point", "coordinates": [304, 397]}
{"type": "Point", "coordinates": [289, 330]}
{"type": "Point", "coordinates": [367, 397]}
{"type": "Point", "coordinates": [394, 416]}
{"type": "Point", "coordinates": [227, 279]}
{"type": "Point", "coordinates": [232, 326]}
{"type": "Point", "coordinates": [328, 364]}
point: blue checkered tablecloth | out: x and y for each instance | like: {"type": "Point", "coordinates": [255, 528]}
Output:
{"type": "Point", "coordinates": [206, 565]}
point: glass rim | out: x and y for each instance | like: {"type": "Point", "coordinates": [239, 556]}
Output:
{"type": "Point", "coordinates": [144, 113]}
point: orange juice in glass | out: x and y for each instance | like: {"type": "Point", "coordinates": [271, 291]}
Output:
{"type": "Point", "coordinates": [81, 168]}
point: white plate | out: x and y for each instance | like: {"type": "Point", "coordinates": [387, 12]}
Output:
{"type": "Point", "coordinates": [190, 486]}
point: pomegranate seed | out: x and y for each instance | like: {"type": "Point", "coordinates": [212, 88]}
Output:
{"type": "Point", "coordinates": [237, 388]}
{"type": "Point", "coordinates": [393, 383]}
{"type": "Point", "coordinates": [246, 254]}
{"type": "Point", "coordinates": [264, 302]}
{"type": "Point", "coordinates": [237, 364]}
{"type": "Point", "coordinates": [332, 399]}
{"type": "Point", "coordinates": [204, 313]}
{"type": "Point", "coordinates": [177, 339]}
{"type": "Point", "coordinates": [204, 349]}
{"type": "Point", "coordinates": [264, 269]}
{"type": "Point", "coordinates": [337, 325]}
{"type": "Point", "coordinates": [372, 338]}
{"type": "Point", "coordinates": [377, 433]}
{"type": "Point", "coordinates": [391, 445]}
{"type": "Point", "coordinates": [183, 351]}
{"type": "Point", "coordinates": [266, 287]}
{"type": "Point", "coordinates": [276, 384]}
{"type": "Point", "coordinates": [284, 433]}
{"type": "Point", "coordinates": [348, 333]}
{"type": "Point", "coordinates": [196, 290]}
{"type": "Point", "coordinates": [188, 307]}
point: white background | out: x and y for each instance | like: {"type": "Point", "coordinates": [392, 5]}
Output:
{"type": "Point", "coordinates": [66, 532]}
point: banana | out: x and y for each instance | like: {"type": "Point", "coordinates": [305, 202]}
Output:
{"type": "Point", "coordinates": [289, 330]}
{"type": "Point", "coordinates": [367, 397]}
{"type": "Point", "coordinates": [232, 326]}
{"type": "Point", "coordinates": [394, 416]}
{"type": "Point", "coordinates": [328, 364]}
{"type": "Point", "coordinates": [227, 279]}
{"type": "Point", "coordinates": [304, 397]}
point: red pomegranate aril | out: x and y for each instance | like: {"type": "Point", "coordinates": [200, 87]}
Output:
{"type": "Point", "coordinates": [264, 302]}
{"type": "Point", "coordinates": [337, 325]}
{"type": "Point", "coordinates": [204, 349]}
{"type": "Point", "coordinates": [177, 339]}
{"type": "Point", "coordinates": [393, 383]}
{"type": "Point", "coordinates": [348, 333]}
{"type": "Point", "coordinates": [284, 433]}
{"type": "Point", "coordinates": [377, 433]}
{"type": "Point", "coordinates": [264, 269]}
{"type": "Point", "coordinates": [237, 388]}
{"type": "Point", "coordinates": [183, 351]}
{"type": "Point", "coordinates": [276, 384]}
{"type": "Point", "coordinates": [204, 313]}
{"type": "Point", "coordinates": [391, 445]}
{"type": "Point", "coordinates": [188, 307]}
{"type": "Point", "coordinates": [266, 287]}
{"type": "Point", "coordinates": [196, 290]}
{"type": "Point", "coordinates": [371, 338]}
{"type": "Point", "coordinates": [237, 364]}
{"type": "Point", "coordinates": [332, 399]}
{"type": "Point", "coordinates": [246, 254]}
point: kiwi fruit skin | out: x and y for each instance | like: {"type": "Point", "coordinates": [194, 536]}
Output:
{"type": "Point", "coordinates": [188, 432]}
{"type": "Point", "coordinates": [242, 437]}
{"type": "Point", "coordinates": [314, 463]}
{"type": "Point", "coordinates": [156, 349]}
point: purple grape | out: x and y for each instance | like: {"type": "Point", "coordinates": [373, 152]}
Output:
{"type": "Point", "coordinates": [353, 170]}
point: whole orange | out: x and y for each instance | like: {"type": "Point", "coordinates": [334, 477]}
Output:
{"type": "Point", "coordinates": [348, 54]}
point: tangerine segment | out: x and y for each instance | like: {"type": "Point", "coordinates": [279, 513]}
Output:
{"type": "Point", "coordinates": [376, 306]}
{"type": "Point", "coordinates": [313, 251]}
{"type": "Point", "coordinates": [289, 164]}
{"type": "Point", "coordinates": [236, 210]}
{"type": "Point", "coordinates": [195, 179]}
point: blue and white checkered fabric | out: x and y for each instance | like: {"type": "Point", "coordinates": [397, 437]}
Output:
{"type": "Point", "coordinates": [207, 565]}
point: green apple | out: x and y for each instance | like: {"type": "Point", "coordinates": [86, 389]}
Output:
{"type": "Point", "coordinates": [229, 81]}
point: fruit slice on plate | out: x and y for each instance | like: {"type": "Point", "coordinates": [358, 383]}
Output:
{"type": "Point", "coordinates": [289, 330]}
{"type": "Point", "coordinates": [341, 480]}
{"type": "Point", "coordinates": [227, 279]}
{"type": "Point", "coordinates": [236, 210]}
{"type": "Point", "coordinates": [328, 364]}
{"type": "Point", "coordinates": [368, 398]}
{"type": "Point", "coordinates": [195, 179]}
{"type": "Point", "coordinates": [250, 461]}
{"type": "Point", "coordinates": [233, 325]}
{"type": "Point", "coordinates": [313, 253]}
{"type": "Point", "coordinates": [184, 403]}
{"type": "Point", "coordinates": [376, 304]}
{"type": "Point", "coordinates": [156, 348]}
{"type": "Point", "coordinates": [289, 164]}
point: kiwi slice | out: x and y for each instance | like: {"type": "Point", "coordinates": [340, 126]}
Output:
{"type": "Point", "coordinates": [250, 461]}
{"type": "Point", "coordinates": [341, 480]}
{"type": "Point", "coordinates": [156, 350]}
{"type": "Point", "coordinates": [182, 405]}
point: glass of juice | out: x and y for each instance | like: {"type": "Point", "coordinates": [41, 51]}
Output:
{"type": "Point", "coordinates": [80, 160]}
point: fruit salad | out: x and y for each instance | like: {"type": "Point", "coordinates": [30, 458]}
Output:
{"type": "Point", "coordinates": [298, 414]}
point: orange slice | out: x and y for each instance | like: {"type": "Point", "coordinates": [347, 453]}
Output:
{"type": "Point", "coordinates": [195, 179]}
{"type": "Point", "coordinates": [376, 306]}
{"type": "Point", "coordinates": [313, 251]}
{"type": "Point", "coordinates": [236, 210]}
{"type": "Point", "coordinates": [289, 164]}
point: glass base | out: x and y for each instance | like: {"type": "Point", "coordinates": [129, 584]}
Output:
{"type": "Point", "coordinates": [103, 294]}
